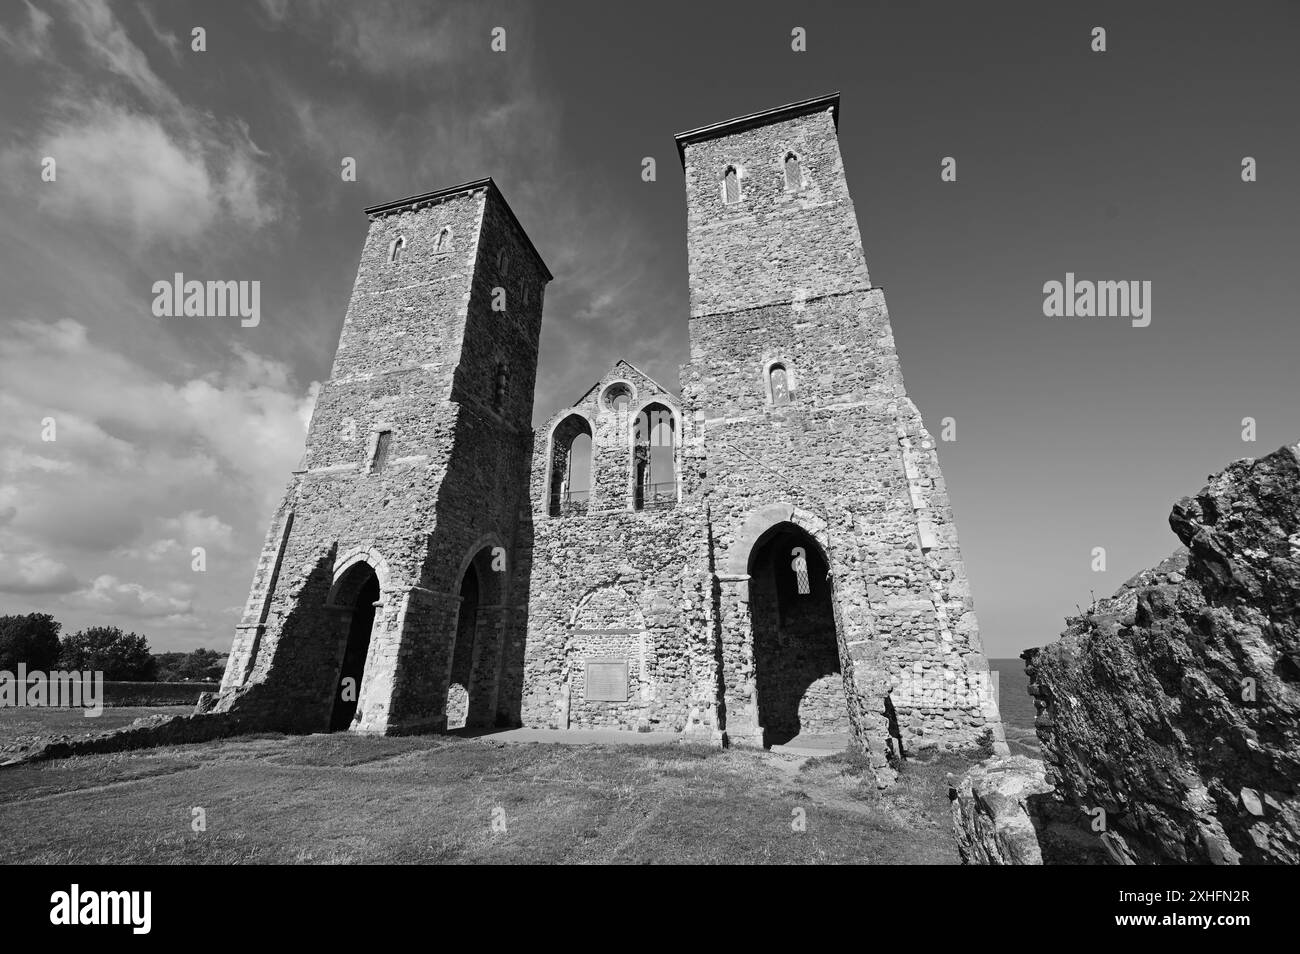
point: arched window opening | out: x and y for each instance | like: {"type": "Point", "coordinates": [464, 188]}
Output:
{"type": "Point", "coordinates": [793, 174]}
{"type": "Point", "coordinates": [730, 185]}
{"type": "Point", "coordinates": [443, 242]}
{"type": "Point", "coordinates": [503, 263]}
{"type": "Point", "coordinates": [654, 455]}
{"type": "Point", "coordinates": [397, 248]}
{"type": "Point", "coordinates": [570, 489]}
{"type": "Point", "coordinates": [779, 383]}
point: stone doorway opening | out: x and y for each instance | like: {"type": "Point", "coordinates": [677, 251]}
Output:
{"type": "Point", "coordinates": [799, 682]}
{"type": "Point", "coordinates": [462, 657]}
{"type": "Point", "coordinates": [472, 678]}
{"type": "Point", "coordinates": [359, 589]}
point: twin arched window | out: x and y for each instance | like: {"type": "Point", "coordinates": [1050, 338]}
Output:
{"type": "Point", "coordinates": [441, 243]}
{"type": "Point", "coordinates": [793, 178]}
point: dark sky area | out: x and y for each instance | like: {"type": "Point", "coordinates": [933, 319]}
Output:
{"type": "Point", "coordinates": [1071, 433]}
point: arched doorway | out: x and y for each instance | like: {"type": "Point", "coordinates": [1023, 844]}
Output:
{"type": "Point", "coordinates": [475, 652]}
{"type": "Point", "coordinates": [799, 683]}
{"type": "Point", "coordinates": [358, 589]}
{"type": "Point", "coordinates": [462, 657]}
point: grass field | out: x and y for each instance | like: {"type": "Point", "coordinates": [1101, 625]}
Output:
{"type": "Point", "coordinates": [347, 799]}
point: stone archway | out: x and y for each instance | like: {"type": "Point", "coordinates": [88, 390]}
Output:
{"type": "Point", "coordinates": [472, 675]}
{"type": "Point", "coordinates": [356, 594]}
{"type": "Point", "coordinates": [738, 703]}
{"type": "Point", "coordinates": [799, 684]}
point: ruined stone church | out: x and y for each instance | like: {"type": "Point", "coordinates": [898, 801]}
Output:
{"type": "Point", "coordinates": [769, 554]}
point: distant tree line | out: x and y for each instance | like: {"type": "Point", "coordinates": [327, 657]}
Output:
{"type": "Point", "coordinates": [122, 657]}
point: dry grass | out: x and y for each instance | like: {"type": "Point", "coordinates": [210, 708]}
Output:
{"type": "Point", "coordinates": [339, 799]}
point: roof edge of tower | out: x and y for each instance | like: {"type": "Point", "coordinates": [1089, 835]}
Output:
{"type": "Point", "coordinates": [763, 117]}
{"type": "Point", "coordinates": [429, 198]}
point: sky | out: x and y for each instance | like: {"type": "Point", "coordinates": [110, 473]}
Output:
{"type": "Point", "coordinates": [224, 163]}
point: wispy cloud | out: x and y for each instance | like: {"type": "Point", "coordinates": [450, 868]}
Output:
{"type": "Point", "coordinates": [131, 156]}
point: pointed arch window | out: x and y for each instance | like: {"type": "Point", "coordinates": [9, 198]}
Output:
{"type": "Point", "coordinates": [570, 477]}
{"type": "Point", "coordinates": [396, 248]}
{"type": "Point", "coordinates": [654, 453]}
{"type": "Point", "coordinates": [730, 185]}
{"type": "Point", "coordinates": [793, 172]}
{"type": "Point", "coordinates": [443, 242]}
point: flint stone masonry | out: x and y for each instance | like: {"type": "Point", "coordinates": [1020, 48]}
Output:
{"type": "Point", "coordinates": [422, 470]}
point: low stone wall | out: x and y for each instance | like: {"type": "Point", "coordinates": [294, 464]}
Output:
{"type": "Point", "coordinates": [143, 733]}
{"type": "Point", "coordinates": [155, 693]}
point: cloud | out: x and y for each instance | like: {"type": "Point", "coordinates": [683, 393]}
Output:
{"type": "Point", "coordinates": [128, 437]}
{"type": "Point", "coordinates": [166, 38]}
{"type": "Point", "coordinates": [117, 168]}
{"type": "Point", "coordinates": [203, 530]}
{"type": "Point", "coordinates": [130, 154]}
{"type": "Point", "coordinates": [110, 596]}
{"type": "Point", "coordinates": [144, 467]}
{"type": "Point", "coordinates": [31, 40]}
{"type": "Point", "coordinates": [34, 573]}
{"type": "Point", "coordinates": [385, 38]}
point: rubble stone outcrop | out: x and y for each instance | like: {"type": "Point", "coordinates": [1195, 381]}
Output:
{"type": "Point", "coordinates": [1170, 712]}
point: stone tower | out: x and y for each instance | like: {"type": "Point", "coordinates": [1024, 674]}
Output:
{"type": "Point", "coordinates": [840, 601]}
{"type": "Point", "coordinates": [772, 555]}
{"type": "Point", "coordinates": [384, 585]}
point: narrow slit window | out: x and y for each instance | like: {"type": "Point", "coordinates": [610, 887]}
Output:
{"type": "Point", "coordinates": [502, 385]}
{"type": "Point", "coordinates": [730, 185]}
{"type": "Point", "coordinates": [397, 248]}
{"type": "Point", "coordinates": [382, 446]}
{"type": "Point", "coordinates": [793, 174]}
{"type": "Point", "coordinates": [780, 382]}
{"type": "Point", "coordinates": [443, 242]}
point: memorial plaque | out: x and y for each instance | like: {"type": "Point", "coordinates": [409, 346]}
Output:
{"type": "Point", "coordinates": [606, 680]}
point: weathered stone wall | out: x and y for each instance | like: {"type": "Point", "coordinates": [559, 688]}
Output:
{"type": "Point", "coordinates": [1174, 705]}
{"type": "Point", "coordinates": [420, 355]}
{"type": "Point", "coordinates": [780, 277]}
{"type": "Point", "coordinates": [606, 580]}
